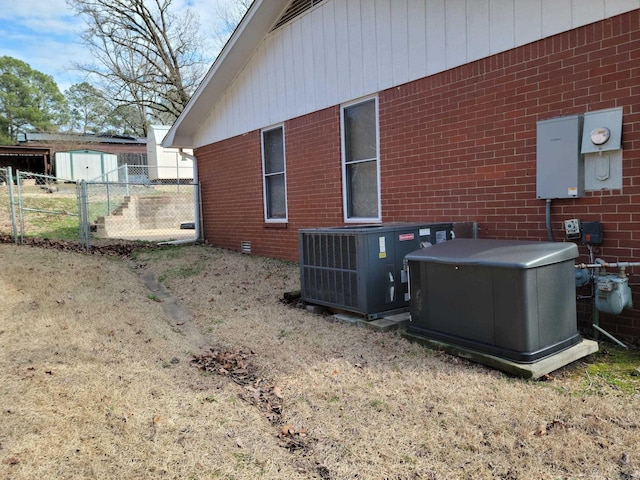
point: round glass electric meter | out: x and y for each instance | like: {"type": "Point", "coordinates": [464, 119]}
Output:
{"type": "Point", "coordinates": [600, 135]}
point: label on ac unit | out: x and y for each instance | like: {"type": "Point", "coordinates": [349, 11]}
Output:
{"type": "Point", "coordinates": [382, 242]}
{"type": "Point", "coordinates": [406, 236]}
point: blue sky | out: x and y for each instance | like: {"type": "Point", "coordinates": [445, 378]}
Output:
{"type": "Point", "coordinates": [45, 34]}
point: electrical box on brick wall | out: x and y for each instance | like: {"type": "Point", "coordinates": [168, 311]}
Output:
{"type": "Point", "coordinates": [602, 149]}
{"type": "Point", "coordinates": [559, 165]}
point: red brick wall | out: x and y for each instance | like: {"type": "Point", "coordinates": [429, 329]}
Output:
{"type": "Point", "coordinates": [456, 146]}
{"type": "Point", "coordinates": [231, 177]}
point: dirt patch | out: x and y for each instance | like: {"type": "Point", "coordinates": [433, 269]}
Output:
{"type": "Point", "coordinates": [100, 380]}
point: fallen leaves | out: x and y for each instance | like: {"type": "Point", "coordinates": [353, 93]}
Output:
{"type": "Point", "coordinates": [544, 428]}
{"type": "Point", "coordinates": [256, 391]}
{"type": "Point", "coordinates": [122, 249]}
{"type": "Point", "coordinates": [277, 392]}
{"type": "Point", "coordinates": [292, 439]}
{"type": "Point", "coordinates": [232, 364]}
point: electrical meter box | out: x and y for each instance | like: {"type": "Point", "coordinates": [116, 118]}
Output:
{"type": "Point", "coordinates": [559, 165]}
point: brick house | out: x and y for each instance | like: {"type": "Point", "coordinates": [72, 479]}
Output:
{"type": "Point", "coordinates": [332, 112]}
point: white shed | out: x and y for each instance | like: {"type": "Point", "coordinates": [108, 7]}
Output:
{"type": "Point", "coordinates": [86, 165]}
{"type": "Point", "coordinates": [166, 163]}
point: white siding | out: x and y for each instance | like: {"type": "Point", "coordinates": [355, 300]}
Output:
{"type": "Point", "coordinates": [586, 11]}
{"type": "Point", "coordinates": [501, 25]}
{"type": "Point", "coordinates": [556, 16]}
{"type": "Point", "coordinates": [346, 49]}
{"type": "Point", "coordinates": [417, 38]}
{"type": "Point", "coordinates": [384, 57]}
{"type": "Point", "coordinates": [436, 38]}
{"type": "Point", "coordinates": [298, 62]}
{"type": "Point", "coordinates": [369, 51]}
{"type": "Point", "coordinates": [455, 30]}
{"type": "Point", "coordinates": [478, 40]}
{"type": "Point", "coordinates": [331, 75]}
{"type": "Point", "coordinates": [354, 49]}
{"type": "Point", "coordinates": [399, 42]}
{"type": "Point", "coordinates": [319, 55]}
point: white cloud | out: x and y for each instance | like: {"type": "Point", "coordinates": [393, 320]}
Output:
{"type": "Point", "coordinates": [34, 8]}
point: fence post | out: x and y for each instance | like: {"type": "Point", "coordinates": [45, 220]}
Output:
{"type": "Point", "coordinates": [20, 206]}
{"type": "Point", "coordinates": [178, 157]}
{"type": "Point", "coordinates": [126, 177]}
{"type": "Point", "coordinates": [83, 215]}
{"type": "Point", "coordinates": [12, 207]}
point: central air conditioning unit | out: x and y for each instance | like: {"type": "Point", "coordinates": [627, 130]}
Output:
{"type": "Point", "coordinates": [360, 269]}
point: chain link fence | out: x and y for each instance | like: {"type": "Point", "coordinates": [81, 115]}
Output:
{"type": "Point", "coordinates": [46, 207]}
{"type": "Point", "coordinates": [131, 203]}
{"type": "Point", "coordinates": [137, 202]}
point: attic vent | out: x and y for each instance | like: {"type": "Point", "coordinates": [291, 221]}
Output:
{"type": "Point", "coordinates": [297, 7]}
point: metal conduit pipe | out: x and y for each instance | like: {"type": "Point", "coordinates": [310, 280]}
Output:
{"type": "Point", "coordinates": [548, 217]}
{"type": "Point", "coordinates": [601, 263]}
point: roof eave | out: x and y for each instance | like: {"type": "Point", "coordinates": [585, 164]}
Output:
{"type": "Point", "coordinates": [246, 38]}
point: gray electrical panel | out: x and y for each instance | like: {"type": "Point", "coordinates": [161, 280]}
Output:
{"type": "Point", "coordinates": [360, 269]}
{"type": "Point", "coordinates": [560, 169]}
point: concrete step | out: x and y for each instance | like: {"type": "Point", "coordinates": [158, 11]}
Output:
{"type": "Point", "coordinates": [146, 213]}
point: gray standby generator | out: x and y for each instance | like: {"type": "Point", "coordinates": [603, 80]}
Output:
{"type": "Point", "coordinates": [507, 298]}
{"type": "Point", "coordinates": [359, 269]}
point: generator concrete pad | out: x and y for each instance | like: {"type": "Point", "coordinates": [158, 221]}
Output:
{"type": "Point", "coordinates": [532, 370]}
{"type": "Point", "coordinates": [381, 325]}
{"type": "Point", "coordinates": [400, 319]}
{"type": "Point", "coordinates": [390, 322]}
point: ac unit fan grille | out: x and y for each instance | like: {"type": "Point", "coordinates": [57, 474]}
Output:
{"type": "Point", "coordinates": [330, 269]}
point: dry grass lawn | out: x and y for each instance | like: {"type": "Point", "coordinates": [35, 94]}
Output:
{"type": "Point", "coordinates": [97, 381]}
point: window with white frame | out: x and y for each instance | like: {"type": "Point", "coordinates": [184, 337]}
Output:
{"type": "Point", "coordinates": [360, 161]}
{"type": "Point", "coordinates": [274, 178]}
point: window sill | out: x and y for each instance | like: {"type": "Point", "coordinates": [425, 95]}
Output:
{"type": "Point", "coordinates": [277, 225]}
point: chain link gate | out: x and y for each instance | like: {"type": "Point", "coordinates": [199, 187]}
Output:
{"type": "Point", "coordinates": [129, 204]}
{"type": "Point", "coordinates": [47, 207]}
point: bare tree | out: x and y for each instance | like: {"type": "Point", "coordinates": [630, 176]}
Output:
{"type": "Point", "coordinates": [145, 56]}
{"type": "Point", "coordinates": [230, 15]}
